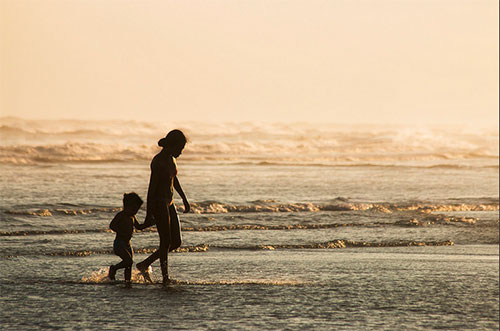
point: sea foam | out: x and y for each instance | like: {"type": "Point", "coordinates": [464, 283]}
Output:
{"type": "Point", "coordinates": [36, 142]}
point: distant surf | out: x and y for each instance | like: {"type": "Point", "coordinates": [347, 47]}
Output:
{"type": "Point", "coordinates": [30, 142]}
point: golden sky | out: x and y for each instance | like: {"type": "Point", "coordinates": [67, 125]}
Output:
{"type": "Point", "coordinates": [368, 61]}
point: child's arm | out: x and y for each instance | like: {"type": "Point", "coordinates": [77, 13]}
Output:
{"type": "Point", "coordinates": [137, 225]}
{"type": "Point", "coordinates": [178, 188]}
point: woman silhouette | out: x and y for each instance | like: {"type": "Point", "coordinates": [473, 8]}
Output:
{"type": "Point", "coordinates": [160, 203]}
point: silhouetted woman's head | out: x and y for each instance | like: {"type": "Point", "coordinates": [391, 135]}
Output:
{"type": "Point", "coordinates": [174, 142]}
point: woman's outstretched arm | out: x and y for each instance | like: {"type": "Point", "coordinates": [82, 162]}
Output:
{"type": "Point", "coordinates": [178, 188]}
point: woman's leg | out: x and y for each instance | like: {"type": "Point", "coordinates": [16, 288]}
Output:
{"type": "Point", "coordinates": [175, 229]}
{"type": "Point", "coordinates": [163, 226]}
{"type": "Point", "coordinates": [175, 237]}
{"type": "Point", "coordinates": [144, 265]}
{"type": "Point", "coordinates": [149, 260]}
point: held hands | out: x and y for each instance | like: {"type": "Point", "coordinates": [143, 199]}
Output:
{"type": "Point", "coordinates": [149, 221]}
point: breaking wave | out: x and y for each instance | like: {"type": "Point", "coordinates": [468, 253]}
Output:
{"type": "Point", "coordinates": [405, 222]}
{"type": "Point", "coordinates": [239, 154]}
{"type": "Point", "coordinates": [73, 152]}
{"type": "Point", "coordinates": [271, 206]}
{"type": "Point", "coordinates": [62, 211]}
{"type": "Point", "coordinates": [25, 142]}
{"type": "Point", "coordinates": [216, 207]}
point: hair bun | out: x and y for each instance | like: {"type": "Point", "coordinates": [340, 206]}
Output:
{"type": "Point", "coordinates": [162, 142]}
{"type": "Point", "coordinates": [173, 137]}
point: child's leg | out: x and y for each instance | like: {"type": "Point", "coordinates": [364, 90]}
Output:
{"type": "Point", "coordinates": [123, 250]}
{"type": "Point", "coordinates": [128, 269]}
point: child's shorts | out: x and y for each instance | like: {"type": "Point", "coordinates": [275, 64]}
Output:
{"type": "Point", "coordinates": [124, 250]}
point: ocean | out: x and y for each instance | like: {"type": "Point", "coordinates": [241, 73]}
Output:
{"type": "Point", "coordinates": [293, 226]}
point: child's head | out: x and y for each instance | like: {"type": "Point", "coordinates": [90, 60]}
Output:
{"type": "Point", "coordinates": [174, 141]}
{"type": "Point", "coordinates": [132, 202]}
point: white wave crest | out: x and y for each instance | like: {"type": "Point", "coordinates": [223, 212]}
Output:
{"type": "Point", "coordinates": [217, 207]}
{"type": "Point", "coordinates": [32, 142]}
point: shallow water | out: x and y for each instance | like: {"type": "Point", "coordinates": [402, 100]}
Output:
{"type": "Point", "coordinates": [453, 287]}
{"type": "Point", "coordinates": [376, 229]}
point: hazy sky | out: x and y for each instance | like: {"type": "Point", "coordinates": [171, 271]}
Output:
{"type": "Point", "coordinates": [370, 61]}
